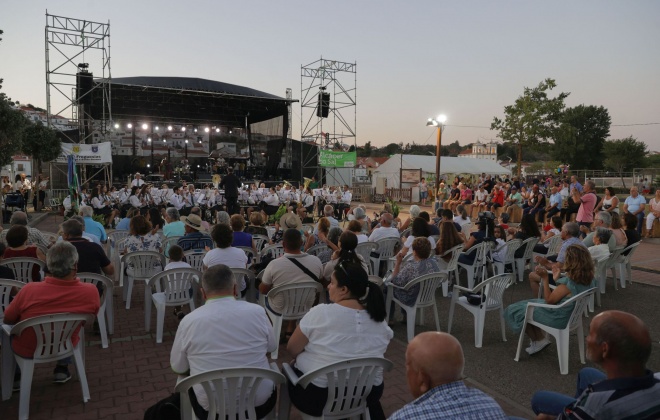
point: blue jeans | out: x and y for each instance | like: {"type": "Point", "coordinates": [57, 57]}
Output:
{"type": "Point", "coordinates": [640, 222]}
{"type": "Point", "coordinates": [553, 403]}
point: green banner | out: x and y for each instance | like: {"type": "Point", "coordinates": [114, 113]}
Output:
{"type": "Point", "coordinates": [332, 159]}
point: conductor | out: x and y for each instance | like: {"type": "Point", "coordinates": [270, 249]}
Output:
{"type": "Point", "coordinates": [230, 184]}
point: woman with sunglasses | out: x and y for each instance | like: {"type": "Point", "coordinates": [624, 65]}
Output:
{"type": "Point", "coordinates": [352, 326]}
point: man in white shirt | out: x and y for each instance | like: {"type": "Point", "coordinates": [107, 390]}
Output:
{"type": "Point", "coordinates": [344, 202]}
{"type": "Point", "coordinates": [385, 230]}
{"type": "Point", "coordinates": [175, 199]}
{"type": "Point", "coordinates": [137, 181]}
{"type": "Point", "coordinates": [293, 267]}
{"type": "Point", "coordinates": [247, 335]}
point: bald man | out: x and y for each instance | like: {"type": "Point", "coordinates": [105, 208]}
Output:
{"type": "Point", "coordinates": [621, 344]}
{"type": "Point", "coordinates": [434, 368]}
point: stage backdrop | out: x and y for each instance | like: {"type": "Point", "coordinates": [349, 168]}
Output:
{"type": "Point", "coordinates": [90, 154]}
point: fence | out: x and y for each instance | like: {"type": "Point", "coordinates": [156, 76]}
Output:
{"type": "Point", "coordinates": [401, 195]}
{"type": "Point", "coordinates": [363, 193]}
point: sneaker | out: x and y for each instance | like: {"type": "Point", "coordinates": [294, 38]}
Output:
{"type": "Point", "coordinates": [537, 346]}
{"type": "Point", "coordinates": [61, 374]}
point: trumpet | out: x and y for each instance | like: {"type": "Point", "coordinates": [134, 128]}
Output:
{"type": "Point", "coordinates": [287, 183]}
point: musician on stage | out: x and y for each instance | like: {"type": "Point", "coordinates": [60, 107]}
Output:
{"type": "Point", "coordinates": [271, 202]}
{"type": "Point", "coordinates": [294, 197]}
{"type": "Point", "coordinates": [146, 200]}
{"type": "Point", "coordinates": [122, 200]}
{"type": "Point", "coordinates": [101, 205]}
{"type": "Point", "coordinates": [344, 203]}
{"type": "Point", "coordinates": [137, 181]}
{"type": "Point", "coordinates": [307, 200]}
{"type": "Point", "coordinates": [175, 199]}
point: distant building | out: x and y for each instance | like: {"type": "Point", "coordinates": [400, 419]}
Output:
{"type": "Point", "coordinates": [370, 163]}
{"type": "Point", "coordinates": [481, 151]}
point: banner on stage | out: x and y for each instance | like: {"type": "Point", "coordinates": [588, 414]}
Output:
{"type": "Point", "coordinates": [86, 153]}
{"type": "Point", "coordinates": [332, 159]}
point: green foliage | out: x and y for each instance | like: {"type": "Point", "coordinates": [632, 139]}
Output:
{"type": "Point", "coordinates": [580, 138]}
{"type": "Point", "coordinates": [41, 142]}
{"type": "Point", "coordinates": [12, 126]}
{"type": "Point", "coordinates": [624, 155]}
{"type": "Point", "coordinates": [395, 207]}
{"type": "Point", "coordinates": [278, 215]}
{"type": "Point", "coordinates": [99, 218]}
{"type": "Point", "coordinates": [532, 119]}
{"type": "Point", "coordinates": [652, 161]}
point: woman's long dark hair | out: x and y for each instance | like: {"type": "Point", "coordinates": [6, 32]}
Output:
{"type": "Point", "coordinates": [529, 227]}
{"type": "Point", "coordinates": [353, 277]}
{"type": "Point", "coordinates": [420, 228]}
{"type": "Point", "coordinates": [347, 252]}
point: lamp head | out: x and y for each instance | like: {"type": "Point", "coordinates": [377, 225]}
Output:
{"type": "Point", "coordinates": [442, 118]}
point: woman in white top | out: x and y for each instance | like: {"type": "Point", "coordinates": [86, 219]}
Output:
{"type": "Point", "coordinates": [616, 227]}
{"type": "Point", "coordinates": [134, 199]}
{"type": "Point", "coordinates": [224, 253]}
{"type": "Point", "coordinates": [462, 218]}
{"type": "Point", "coordinates": [346, 252]}
{"type": "Point", "coordinates": [654, 212]}
{"type": "Point", "coordinates": [609, 203]}
{"type": "Point", "coordinates": [420, 229]}
{"type": "Point", "coordinates": [352, 326]}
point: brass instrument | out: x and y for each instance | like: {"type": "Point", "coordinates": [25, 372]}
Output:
{"type": "Point", "coordinates": [306, 183]}
{"type": "Point", "coordinates": [215, 179]}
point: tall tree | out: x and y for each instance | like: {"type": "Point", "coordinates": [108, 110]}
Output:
{"type": "Point", "coordinates": [532, 119]}
{"type": "Point", "coordinates": [12, 124]}
{"type": "Point", "coordinates": [42, 144]}
{"type": "Point", "coordinates": [581, 136]}
{"type": "Point", "coordinates": [624, 155]}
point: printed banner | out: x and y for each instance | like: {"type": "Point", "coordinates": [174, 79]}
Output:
{"type": "Point", "coordinates": [86, 154]}
{"type": "Point", "coordinates": [332, 159]}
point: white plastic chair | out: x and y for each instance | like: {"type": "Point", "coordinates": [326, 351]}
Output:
{"type": "Point", "coordinates": [277, 250]}
{"type": "Point", "coordinates": [195, 258]}
{"type": "Point", "coordinates": [553, 243]}
{"type": "Point", "coordinates": [260, 241]}
{"type": "Point", "coordinates": [349, 384]}
{"type": "Point", "coordinates": [298, 300]}
{"type": "Point", "coordinates": [173, 288]}
{"type": "Point", "coordinates": [253, 257]}
{"type": "Point", "coordinates": [317, 249]}
{"type": "Point", "coordinates": [493, 288]}
{"type": "Point", "coordinates": [452, 266]}
{"type": "Point", "coordinates": [365, 249]}
{"type": "Point", "coordinates": [168, 242]}
{"type": "Point", "coordinates": [248, 275]}
{"type": "Point", "coordinates": [53, 335]}
{"type": "Point", "coordinates": [386, 249]}
{"type": "Point", "coordinates": [120, 249]}
{"type": "Point", "coordinates": [511, 248]}
{"type": "Point", "coordinates": [625, 269]}
{"type": "Point", "coordinates": [114, 238]}
{"type": "Point", "coordinates": [528, 244]}
{"type": "Point", "coordinates": [145, 265]}
{"type": "Point", "coordinates": [427, 285]}
{"type": "Point", "coordinates": [599, 280]}
{"type": "Point", "coordinates": [7, 355]}
{"type": "Point", "coordinates": [231, 393]}
{"type": "Point", "coordinates": [476, 272]}
{"type": "Point", "coordinates": [22, 267]}
{"type": "Point", "coordinates": [106, 311]}
{"type": "Point", "coordinates": [611, 264]}
{"type": "Point", "coordinates": [561, 335]}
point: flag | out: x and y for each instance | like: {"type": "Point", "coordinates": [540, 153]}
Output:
{"type": "Point", "coordinates": [74, 186]}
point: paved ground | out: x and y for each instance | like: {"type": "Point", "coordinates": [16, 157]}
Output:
{"type": "Point", "coordinates": [133, 373]}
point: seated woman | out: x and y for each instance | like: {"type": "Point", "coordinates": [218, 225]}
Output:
{"type": "Point", "coordinates": [579, 268]}
{"type": "Point", "coordinates": [414, 213]}
{"type": "Point", "coordinates": [346, 252]}
{"type": "Point", "coordinates": [124, 223]}
{"type": "Point", "coordinates": [225, 254]}
{"type": "Point", "coordinates": [256, 226]}
{"type": "Point", "coordinates": [17, 247]}
{"type": "Point", "coordinates": [319, 237]}
{"type": "Point", "coordinates": [617, 230]}
{"type": "Point", "coordinates": [154, 217]}
{"type": "Point", "coordinates": [332, 240]}
{"type": "Point", "coordinates": [237, 223]}
{"type": "Point", "coordinates": [356, 227]}
{"type": "Point", "coordinates": [140, 236]}
{"type": "Point", "coordinates": [420, 229]}
{"type": "Point", "coordinates": [423, 262]}
{"type": "Point", "coordinates": [449, 238]}
{"type": "Point", "coordinates": [352, 326]}
{"type": "Point", "coordinates": [600, 247]}
{"type": "Point", "coordinates": [485, 225]}
{"type": "Point", "coordinates": [462, 217]}
{"type": "Point", "coordinates": [556, 222]}
{"type": "Point", "coordinates": [527, 229]}
{"type": "Point", "coordinates": [630, 227]}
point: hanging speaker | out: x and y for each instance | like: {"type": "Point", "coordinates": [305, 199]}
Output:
{"type": "Point", "coordinates": [323, 105]}
{"type": "Point", "coordinates": [84, 84]}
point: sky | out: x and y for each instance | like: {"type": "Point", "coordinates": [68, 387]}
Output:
{"type": "Point", "coordinates": [415, 59]}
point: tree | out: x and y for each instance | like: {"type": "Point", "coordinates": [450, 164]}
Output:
{"type": "Point", "coordinates": [12, 124]}
{"type": "Point", "coordinates": [42, 144]}
{"type": "Point", "coordinates": [580, 138]}
{"type": "Point", "coordinates": [532, 119]}
{"type": "Point", "coordinates": [624, 155]}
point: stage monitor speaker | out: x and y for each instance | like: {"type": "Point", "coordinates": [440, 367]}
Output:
{"type": "Point", "coordinates": [323, 106]}
{"type": "Point", "coordinates": [84, 84]}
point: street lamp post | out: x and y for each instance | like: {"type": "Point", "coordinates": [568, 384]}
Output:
{"type": "Point", "coordinates": [186, 148]}
{"type": "Point", "coordinates": [152, 151]}
{"type": "Point", "coordinates": [440, 123]}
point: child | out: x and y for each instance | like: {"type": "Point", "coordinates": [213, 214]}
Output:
{"type": "Point", "coordinates": [500, 238]}
{"type": "Point", "coordinates": [176, 258]}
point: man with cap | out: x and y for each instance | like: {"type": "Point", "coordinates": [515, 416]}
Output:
{"type": "Point", "coordinates": [195, 237]}
{"type": "Point", "coordinates": [137, 181]}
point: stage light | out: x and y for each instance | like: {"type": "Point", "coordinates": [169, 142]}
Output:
{"type": "Point", "coordinates": [116, 125]}
{"type": "Point", "coordinates": [129, 125]}
{"type": "Point", "coordinates": [229, 131]}
{"type": "Point", "coordinates": [186, 141]}
{"type": "Point", "coordinates": [156, 128]}
{"type": "Point", "coordinates": [164, 140]}
{"type": "Point", "coordinates": [183, 128]}
{"type": "Point", "coordinates": [148, 165]}
{"type": "Point", "coordinates": [169, 128]}
{"type": "Point", "coordinates": [198, 166]}
{"type": "Point", "coordinates": [145, 126]}
{"type": "Point", "coordinates": [149, 139]}
{"type": "Point", "coordinates": [207, 129]}
{"type": "Point", "coordinates": [217, 130]}
{"type": "Point", "coordinates": [195, 129]}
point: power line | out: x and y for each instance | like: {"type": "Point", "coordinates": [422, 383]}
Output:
{"type": "Point", "coordinates": [631, 125]}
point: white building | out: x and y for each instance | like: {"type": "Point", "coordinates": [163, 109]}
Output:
{"type": "Point", "coordinates": [481, 151]}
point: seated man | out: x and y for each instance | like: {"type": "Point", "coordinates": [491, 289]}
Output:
{"type": "Point", "coordinates": [293, 267]}
{"type": "Point", "coordinates": [556, 203]}
{"type": "Point", "coordinates": [34, 235]}
{"type": "Point", "coordinates": [247, 337]}
{"type": "Point", "coordinates": [91, 256]}
{"type": "Point", "coordinates": [61, 291]}
{"type": "Point", "coordinates": [434, 368]}
{"type": "Point", "coordinates": [621, 344]}
{"type": "Point", "coordinates": [91, 225]}
{"type": "Point", "coordinates": [602, 219]}
{"type": "Point", "coordinates": [194, 238]}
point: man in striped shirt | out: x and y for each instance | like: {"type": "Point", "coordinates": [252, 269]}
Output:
{"type": "Point", "coordinates": [621, 344]}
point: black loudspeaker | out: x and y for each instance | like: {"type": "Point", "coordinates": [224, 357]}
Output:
{"type": "Point", "coordinates": [84, 84]}
{"type": "Point", "coordinates": [323, 106]}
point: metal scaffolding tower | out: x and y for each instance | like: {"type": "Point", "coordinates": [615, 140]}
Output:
{"type": "Point", "coordinates": [75, 50]}
{"type": "Point", "coordinates": [339, 79]}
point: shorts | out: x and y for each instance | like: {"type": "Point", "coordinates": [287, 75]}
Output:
{"type": "Point", "coordinates": [423, 195]}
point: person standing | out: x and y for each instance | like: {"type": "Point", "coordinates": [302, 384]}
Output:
{"type": "Point", "coordinates": [423, 191]}
{"type": "Point", "coordinates": [588, 200]}
{"type": "Point", "coordinates": [137, 181]}
{"type": "Point", "coordinates": [230, 184]}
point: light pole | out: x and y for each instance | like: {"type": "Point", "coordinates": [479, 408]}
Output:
{"type": "Point", "coordinates": [152, 151]}
{"type": "Point", "coordinates": [440, 123]}
{"type": "Point", "coordinates": [186, 148]}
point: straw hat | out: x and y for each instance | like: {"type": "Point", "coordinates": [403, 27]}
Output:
{"type": "Point", "coordinates": [290, 221]}
{"type": "Point", "coordinates": [194, 221]}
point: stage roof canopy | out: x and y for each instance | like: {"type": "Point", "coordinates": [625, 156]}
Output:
{"type": "Point", "coordinates": [187, 101]}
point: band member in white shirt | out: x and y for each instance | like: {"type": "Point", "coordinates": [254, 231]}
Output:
{"type": "Point", "coordinates": [294, 197]}
{"type": "Point", "coordinates": [271, 202]}
{"type": "Point", "coordinates": [344, 203]}
{"type": "Point", "coordinates": [134, 199]}
{"type": "Point", "coordinates": [307, 200]}
{"type": "Point", "coordinates": [175, 199]}
{"type": "Point", "coordinates": [101, 205]}
{"type": "Point", "coordinates": [146, 200]}
{"type": "Point", "coordinates": [137, 181]}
